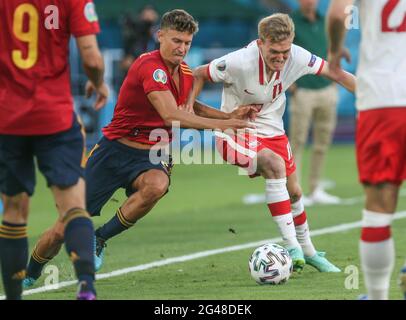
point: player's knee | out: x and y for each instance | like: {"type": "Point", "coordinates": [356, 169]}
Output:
{"type": "Point", "coordinates": [323, 141]}
{"type": "Point", "coordinates": [58, 235]}
{"type": "Point", "coordinates": [74, 213]}
{"type": "Point", "coordinates": [271, 164]}
{"type": "Point", "coordinates": [322, 145]}
{"type": "Point", "coordinates": [298, 141]}
{"type": "Point", "coordinates": [295, 193]}
{"type": "Point", "coordinates": [16, 208]}
{"type": "Point", "coordinates": [154, 190]}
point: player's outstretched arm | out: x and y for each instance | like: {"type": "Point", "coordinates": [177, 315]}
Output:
{"type": "Point", "coordinates": [200, 77]}
{"type": "Point", "coordinates": [165, 104]}
{"type": "Point", "coordinates": [340, 76]}
{"type": "Point", "coordinates": [93, 65]}
{"type": "Point", "coordinates": [242, 112]}
{"type": "Point", "coordinates": [336, 16]}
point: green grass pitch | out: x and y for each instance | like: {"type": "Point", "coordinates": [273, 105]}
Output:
{"type": "Point", "coordinates": [204, 211]}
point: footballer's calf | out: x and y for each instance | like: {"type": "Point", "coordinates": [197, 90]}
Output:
{"type": "Point", "coordinates": [151, 186]}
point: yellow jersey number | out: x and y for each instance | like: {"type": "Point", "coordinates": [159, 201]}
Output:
{"type": "Point", "coordinates": [30, 36]}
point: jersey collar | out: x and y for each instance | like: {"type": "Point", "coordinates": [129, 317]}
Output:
{"type": "Point", "coordinates": [261, 68]}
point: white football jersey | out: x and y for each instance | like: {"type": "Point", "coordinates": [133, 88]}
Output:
{"type": "Point", "coordinates": [381, 72]}
{"type": "Point", "coordinates": [244, 75]}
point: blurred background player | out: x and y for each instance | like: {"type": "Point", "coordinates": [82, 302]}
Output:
{"type": "Point", "coordinates": [260, 74]}
{"type": "Point", "coordinates": [38, 121]}
{"type": "Point", "coordinates": [381, 127]}
{"type": "Point", "coordinates": [139, 35]}
{"type": "Point", "coordinates": [157, 85]}
{"type": "Point", "coordinates": [313, 104]}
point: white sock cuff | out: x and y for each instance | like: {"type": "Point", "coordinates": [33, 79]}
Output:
{"type": "Point", "coordinates": [376, 219]}
{"type": "Point", "coordinates": [297, 207]}
{"type": "Point", "coordinates": [276, 190]}
{"type": "Point", "coordinates": [271, 182]}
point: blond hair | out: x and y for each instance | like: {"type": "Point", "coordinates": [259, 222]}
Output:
{"type": "Point", "coordinates": [276, 27]}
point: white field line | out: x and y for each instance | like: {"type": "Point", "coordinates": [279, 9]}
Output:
{"type": "Point", "coordinates": [201, 254]}
{"type": "Point", "coordinates": [254, 198]}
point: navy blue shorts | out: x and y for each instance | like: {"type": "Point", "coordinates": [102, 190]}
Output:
{"type": "Point", "coordinates": [60, 159]}
{"type": "Point", "coordinates": [111, 166]}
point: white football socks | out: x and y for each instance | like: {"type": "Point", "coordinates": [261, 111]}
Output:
{"type": "Point", "coordinates": [302, 228]}
{"type": "Point", "coordinates": [377, 252]}
{"type": "Point", "coordinates": [279, 205]}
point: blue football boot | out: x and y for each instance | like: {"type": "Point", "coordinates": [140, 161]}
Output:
{"type": "Point", "coordinates": [298, 259]}
{"type": "Point", "coordinates": [319, 262]}
{"type": "Point", "coordinates": [99, 246]}
{"type": "Point", "coordinates": [28, 282]}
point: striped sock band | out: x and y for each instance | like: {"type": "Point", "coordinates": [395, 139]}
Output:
{"type": "Point", "coordinates": [123, 220]}
{"type": "Point", "coordinates": [302, 228]}
{"type": "Point", "coordinates": [277, 197]}
{"type": "Point", "coordinates": [38, 258]}
{"type": "Point", "coordinates": [377, 252]}
{"type": "Point", "coordinates": [117, 224]}
{"type": "Point", "coordinates": [13, 231]}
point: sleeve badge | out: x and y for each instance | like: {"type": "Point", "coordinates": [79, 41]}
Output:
{"type": "Point", "coordinates": [160, 76]}
{"type": "Point", "coordinates": [312, 61]}
{"type": "Point", "coordinates": [90, 12]}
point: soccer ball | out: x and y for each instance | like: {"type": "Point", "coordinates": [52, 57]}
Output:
{"type": "Point", "coordinates": [270, 264]}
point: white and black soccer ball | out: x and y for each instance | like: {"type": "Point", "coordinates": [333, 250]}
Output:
{"type": "Point", "coordinates": [270, 264]}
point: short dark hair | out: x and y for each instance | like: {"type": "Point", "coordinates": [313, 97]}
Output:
{"type": "Point", "coordinates": [179, 20]}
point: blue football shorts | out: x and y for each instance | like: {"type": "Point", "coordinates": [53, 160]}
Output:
{"type": "Point", "coordinates": [60, 158]}
{"type": "Point", "coordinates": [111, 166]}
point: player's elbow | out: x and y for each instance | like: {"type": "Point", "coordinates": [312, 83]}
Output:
{"type": "Point", "coordinates": [169, 120]}
{"type": "Point", "coordinates": [336, 17]}
{"type": "Point", "coordinates": [200, 73]}
{"type": "Point", "coordinates": [173, 118]}
{"type": "Point", "coordinates": [93, 61]}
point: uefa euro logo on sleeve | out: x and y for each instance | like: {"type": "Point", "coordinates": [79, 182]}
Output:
{"type": "Point", "coordinates": [90, 12]}
{"type": "Point", "coordinates": [160, 76]}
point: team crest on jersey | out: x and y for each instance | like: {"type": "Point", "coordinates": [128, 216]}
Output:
{"type": "Point", "coordinates": [221, 65]}
{"type": "Point", "coordinates": [90, 12]}
{"type": "Point", "coordinates": [160, 76]}
{"type": "Point", "coordinates": [312, 61]}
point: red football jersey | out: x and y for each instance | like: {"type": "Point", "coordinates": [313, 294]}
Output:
{"type": "Point", "coordinates": [35, 92]}
{"type": "Point", "coordinates": [134, 116]}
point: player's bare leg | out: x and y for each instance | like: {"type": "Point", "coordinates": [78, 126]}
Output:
{"type": "Point", "coordinates": [151, 186]}
{"type": "Point", "coordinates": [78, 234]}
{"type": "Point", "coordinates": [376, 245]}
{"type": "Point", "coordinates": [14, 243]}
{"type": "Point", "coordinates": [47, 247]}
{"type": "Point", "coordinates": [312, 257]}
{"type": "Point", "coordinates": [272, 167]}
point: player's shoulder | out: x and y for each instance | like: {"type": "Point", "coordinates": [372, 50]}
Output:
{"type": "Point", "coordinates": [149, 57]}
{"type": "Point", "coordinates": [185, 66]}
{"type": "Point", "coordinates": [250, 51]}
{"type": "Point", "coordinates": [300, 55]}
{"type": "Point", "coordinates": [186, 70]}
{"type": "Point", "coordinates": [148, 61]}
{"type": "Point", "coordinates": [241, 59]}
{"type": "Point", "coordinates": [297, 50]}
{"type": "Point", "coordinates": [89, 7]}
